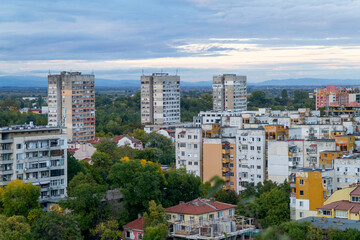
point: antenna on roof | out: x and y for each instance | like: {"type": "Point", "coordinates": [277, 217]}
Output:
{"type": "Point", "coordinates": [142, 72]}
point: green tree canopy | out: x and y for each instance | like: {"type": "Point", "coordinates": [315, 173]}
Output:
{"type": "Point", "coordinates": [54, 226]}
{"type": "Point", "coordinates": [18, 198]}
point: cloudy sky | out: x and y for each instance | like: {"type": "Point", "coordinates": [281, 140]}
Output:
{"type": "Point", "coordinates": [117, 39]}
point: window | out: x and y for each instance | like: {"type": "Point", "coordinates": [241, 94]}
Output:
{"type": "Point", "coordinates": [347, 180]}
{"type": "Point", "coordinates": [258, 139]}
{"type": "Point", "coordinates": [220, 214]}
{"type": "Point", "coordinates": [196, 163]}
{"type": "Point", "coordinates": [301, 193]}
{"type": "Point", "coordinates": [301, 203]}
{"type": "Point", "coordinates": [230, 212]}
{"type": "Point", "coordinates": [128, 234]}
{"type": "Point", "coordinates": [355, 199]}
{"type": "Point", "coordinates": [19, 146]}
{"type": "Point", "coordinates": [189, 146]}
{"type": "Point", "coordinates": [339, 179]}
{"type": "Point", "coordinates": [347, 169]}
{"type": "Point", "coordinates": [190, 163]}
{"type": "Point", "coordinates": [301, 214]}
{"type": "Point", "coordinates": [19, 156]}
{"type": "Point", "coordinates": [189, 136]}
{"type": "Point", "coordinates": [338, 169]}
{"type": "Point", "coordinates": [258, 148]}
{"type": "Point", "coordinates": [324, 194]}
{"type": "Point", "coordinates": [325, 212]}
{"type": "Point", "coordinates": [19, 166]}
{"type": "Point", "coordinates": [258, 167]}
{"type": "Point", "coordinates": [252, 148]}
{"type": "Point", "coordinates": [195, 145]}
{"type": "Point", "coordinates": [195, 136]}
{"type": "Point", "coordinates": [301, 181]}
{"type": "Point", "coordinates": [341, 214]}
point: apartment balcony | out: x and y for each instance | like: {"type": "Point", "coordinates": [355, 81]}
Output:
{"type": "Point", "coordinates": [226, 178]}
{"type": "Point", "coordinates": [6, 140]}
{"type": "Point", "coordinates": [6, 151]}
{"type": "Point", "coordinates": [225, 160]}
{"type": "Point", "coordinates": [225, 169]}
{"type": "Point", "coordinates": [6, 172]}
{"type": "Point", "coordinates": [227, 187]}
{"type": "Point", "coordinates": [226, 151]}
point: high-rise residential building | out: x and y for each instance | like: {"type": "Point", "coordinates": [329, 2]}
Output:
{"type": "Point", "coordinates": [229, 92]}
{"type": "Point", "coordinates": [35, 154]}
{"type": "Point", "coordinates": [160, 99]}
{"type": "Point", "coordinates": [71, 100]}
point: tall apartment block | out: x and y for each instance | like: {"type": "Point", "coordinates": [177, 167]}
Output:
{"type": "Point", "coordinates": [229, 92]}
{"type": "Point", "coordinates": [37, 155]}
{"type": "Point", "coordinates": [71, 100]}
{"type": "Point", "coordinates": [160, 99]}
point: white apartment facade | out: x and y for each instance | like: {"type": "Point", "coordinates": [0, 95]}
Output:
{"type": "Point", "coordinates": [160, 99]}
{"type": "Point", "coordinates": [188, 149]}
{"type": "Point", "coordinates": [250, 152]}
{"type": "Point", "coordinates": [37, 155]}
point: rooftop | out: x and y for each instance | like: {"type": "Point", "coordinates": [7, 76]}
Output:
{"type": "Point", "coordinates": [199, 206]}
{"type": "Point", "coordinates": [342, 205]}
{"type": "Point", "coordinates": [27, 127]}
{"type": "Point", "coordinates": [136, 224]}
{"type": "Point", "coordinates": [335, 223]}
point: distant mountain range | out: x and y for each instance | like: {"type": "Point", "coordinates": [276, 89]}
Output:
{"type": "Point", "coordinates": [35, 81]}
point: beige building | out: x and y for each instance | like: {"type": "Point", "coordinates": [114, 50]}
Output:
{"type": "Point", "coordinates": [229, 92]}
{"type": "Point", "coordinates": [72, 104]}
{"type": "Point", "coordinates": [37, 155]}
{"type": "Point", "coordinates": [160, 99]}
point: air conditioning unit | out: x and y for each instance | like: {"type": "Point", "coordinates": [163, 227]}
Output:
{"type": "Point", "coordinates": [357, 174]}
{"type": "Point", "coordinates": [345, 173]}
{"type": "Point", "coordinates": [259, 151]}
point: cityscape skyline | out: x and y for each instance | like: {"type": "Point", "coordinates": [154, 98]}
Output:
{"type": "Point", "coordinates": [200, 38]}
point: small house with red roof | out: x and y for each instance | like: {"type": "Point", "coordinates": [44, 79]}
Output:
{"type": "Point", "coordinates": [123, 140]}
{"type": "Point", "coordinates": [170, 134]}
{"type": "Point", "coordinates": [343, 203]}
{"type": "Point", "coordinates": [134, 230]}
{"type": "Point", "coordinates": [207, 219]}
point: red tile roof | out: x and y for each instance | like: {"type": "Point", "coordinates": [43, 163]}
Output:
{"type": "Point", "coordinates": [342, 205]}
{"type": "Point", "coordinates": [136, 224]}
{"type": "Point", "coordinates": [356, 191]}
{"type": "Point", "coordinates": [117, 138]}
{"type": "Point", "coordinates": [199, 206]}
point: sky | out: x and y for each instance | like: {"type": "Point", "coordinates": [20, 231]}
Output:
{"type": "Point", "coordinates": [118, 39]}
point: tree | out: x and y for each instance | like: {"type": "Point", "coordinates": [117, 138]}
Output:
{"type": "Point", "coordinates": [167, 153]}
{"type": "Point", "coordinates": [14, 228]}
{"type": "Point", "coordinates": [79, 179]}
{"type": "Point", "coordinates": [139, 182]}
{"type": "Point", "coordinates": [230, 197]}
{"type": "Point", "coordinates": [155, 216]}
{"type": "Point", "coordinates": [273, 207]}
{"type": "Point", "coordinates": [155, 222]}
{"type": "Point", "coordinates": [18, 198]}
{"type": "Point", "coordinates": [106, 145]}
{"type": "Point", "coordinates": [180, 186]}
{"type": "Point", "coordinates": [73, 166]}
{"type": "Point", "coordinates": [86, 205]}
{"type": "Point", "coordinates": [108, 230]}
{"type": "Point", "coordinates": [102, 160]}
{"type": "Point", "coordinates": [53, 226]}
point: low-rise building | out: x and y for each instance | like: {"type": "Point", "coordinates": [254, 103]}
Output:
{"type": "Point", "coordinates": [206, 219]}
{"type": "Point", "coordinates": [134, 230]}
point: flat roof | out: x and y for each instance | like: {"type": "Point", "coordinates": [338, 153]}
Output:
{"type": "Point", "coordinates": [335, 223]}
{"type": "Point", "coordinates": [26, 127]}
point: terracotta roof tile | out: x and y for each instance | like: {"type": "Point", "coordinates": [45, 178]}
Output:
{"type": "Point", "coordinates": [356, 191]}
{"type": "Point", "coordinates": [199, 206]}
{"type": "Point", "coordinates": [342, 205]}
{"type": "Point", "coordinates": [136, 224]}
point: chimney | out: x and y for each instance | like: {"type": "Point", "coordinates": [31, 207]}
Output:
{"type": "Point", "coordinates": [139, 215]}
{"type": "Point", "coordinates": [181, 202]}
